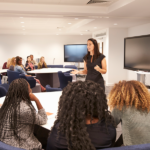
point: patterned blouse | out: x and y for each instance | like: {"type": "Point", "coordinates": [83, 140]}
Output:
{"type": "Point", "coordinates": [25, 129]}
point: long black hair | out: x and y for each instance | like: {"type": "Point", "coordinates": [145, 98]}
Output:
{"type": "Point", "coordinates": [79, 100]}
{"type": "Point", "coordinates": [96, 50]}
{"type": "Point", "coordinates": [27, 59]}
{"type": "Point", "coordinates": [10, 110]}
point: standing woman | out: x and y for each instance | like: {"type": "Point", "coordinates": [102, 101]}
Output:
{"type": "Point", "coordinates": [94, 64]}
{"type": "Point", "coordinates": [42, 63]}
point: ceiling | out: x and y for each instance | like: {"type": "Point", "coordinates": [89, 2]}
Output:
{"type": "Point", "coordinates": [51, 17]}
{"type": "Point", "coordinates": [58, 2]}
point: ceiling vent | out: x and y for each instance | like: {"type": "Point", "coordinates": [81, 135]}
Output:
{"type": "Point", "coordinates": [97, 1]}
{"type": "Point", "coordinates": [100, 35]}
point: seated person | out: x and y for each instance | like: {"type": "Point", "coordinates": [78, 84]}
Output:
{"type": "Point", "coordinates": [130, 104]}
{"type": "Point", "coordinates": [12, 64]}
{"type": "Point", "coordinates": [83, 120]}
{"type": "Point", "coordinates": [20, 68]}
{"type": "Point", "coordinates": [32, 60]}
{"type": "Point", "coordinates": [42, 63]}
{"type": "Point", "coordinates": [6, 65]}
{"type": "Point", "coordinates": [29, 66]}
{"type": "Point", "coordinates": [18, 116]}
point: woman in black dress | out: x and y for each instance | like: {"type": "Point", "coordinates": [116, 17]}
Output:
{"type": "Point", "coordinates": [94, 64]}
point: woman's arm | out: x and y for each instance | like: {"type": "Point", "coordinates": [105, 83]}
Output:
{"type": "Point", "coordinates": [117, 114]}
{"type": "Point", "coordinates": [39, 66]}
{"type": "Point", "coordinates": [102, 70]}
{"type": "Point", "coordinates": [84, 72]}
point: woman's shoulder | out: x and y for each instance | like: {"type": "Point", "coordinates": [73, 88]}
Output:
{"type": "Point", "coordinates": [101, 56]}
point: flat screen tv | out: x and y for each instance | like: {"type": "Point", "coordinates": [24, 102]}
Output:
{"type": "Point", "coordinates": [137, 53]}
{"type": "Point", "coordinates": [74, 52]}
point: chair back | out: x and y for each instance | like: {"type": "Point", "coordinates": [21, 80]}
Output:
{"type": "Point", "coordinates": [55, 66]}
{"type": "Point", "coordinates": [4, 146]}
{"type": "Point", "coordinates": [63, 79]}
{"type": "Point", "coordinates": [0, 80]}
{"type": "Point", "coordinates": [71, 66]}
{"type": "Point", "coordinates": [3, 91]}
{"type": "Point", "coordinates": [12, 75]}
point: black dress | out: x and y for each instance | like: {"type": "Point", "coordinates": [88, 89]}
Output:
{"type": "Point", "coordinates": [92, 74]}
{"type": "Point", "coordinates": [101, 137]}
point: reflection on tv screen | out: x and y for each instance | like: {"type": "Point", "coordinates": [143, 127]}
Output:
{"type": "Point", "coordinates": [137, 53]}
{"type": "Point", "coordinates": [74, 53]}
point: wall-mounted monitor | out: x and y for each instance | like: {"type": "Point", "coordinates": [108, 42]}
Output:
{"type": "Point", "coordinates": [74, 52]}
{"type": "Point", "coordinates": [137, 53]}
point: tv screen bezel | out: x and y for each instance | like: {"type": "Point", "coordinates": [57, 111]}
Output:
{"type": "Point", "coordinates": [73, 61]}
{"type": "Point", "coordinates": [130, 68]}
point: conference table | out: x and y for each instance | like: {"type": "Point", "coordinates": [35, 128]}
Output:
{"type": "Point", "coordinates": [3, 70]}
{"type": "Point", "coordinates": [49, 101]}
{"type": "Point", "coordinates": [48, 76]}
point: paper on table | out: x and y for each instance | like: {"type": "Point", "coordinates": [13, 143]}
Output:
{"type": "Point", "coordinates": [48, 113]}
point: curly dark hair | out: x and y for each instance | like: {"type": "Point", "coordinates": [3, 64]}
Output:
{"type": "Point", "coordinates": [10, 110]}
{"type": "Point", "coordinates": [79, 100]}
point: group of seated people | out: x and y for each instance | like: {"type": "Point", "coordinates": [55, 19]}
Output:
{"type": "Point", "coordinates": [86, 119]}
{"type": "Point", "coordinates": [29, 66]}
{"type": "Point", "coordinates": [15, 64]}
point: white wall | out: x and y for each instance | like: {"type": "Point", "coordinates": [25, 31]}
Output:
{"type": "Point", "coordinates": [48, 46]}
{"type": "Point", "coordinates": [137, 31]}
{"type": "Point", "coordinates": [116, 71]}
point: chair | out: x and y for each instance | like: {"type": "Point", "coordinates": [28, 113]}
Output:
{"type": "Point", "coordinates": [4, 146]}
{"type": "Point", "coordinates": [71, 66]}
{"type": "Point", "coordinates": [50, 89]}
{"type": "Point", "coordinates": [3, 91]}
{"type": "Point", "coordinates": [64, 79]}
{"type": "Point", "coordinates": [12, 75]}
{"type": "Point", "coordinates": [30, 80]}
{"type": "Point", "coordinates": [133, 147]}
{"type": "Point", "coordinates": [55, 66]}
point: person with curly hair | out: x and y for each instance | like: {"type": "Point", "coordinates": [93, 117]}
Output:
{"type": "Point", "coordinates": [18, 116]}
{"type": "Point", "coordinates": [94, 64]}
{"type": "Point", "coordinates": [83, 119]}
{"type": "Point", "coordinates": [130, 105]}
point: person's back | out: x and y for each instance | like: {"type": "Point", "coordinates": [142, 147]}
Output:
{"type": "Point", "coordinates": [131, 107]}
{"type": "Point", "coordinates": [18, 116]}
{"type": "Point", "coordinates": [83, 120]}
{"type": "Point", "coordinates": [135, 125]}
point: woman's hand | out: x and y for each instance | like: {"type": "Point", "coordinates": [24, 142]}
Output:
{"type": "Point", "coordinates": [97, 68]}
{"type": "Point", "coordinates": [32, 97]}
{"type": "Point", "coordinates": [74, 71]}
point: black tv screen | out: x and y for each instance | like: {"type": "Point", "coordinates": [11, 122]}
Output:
{"type": "Point", "coordinates": [137, 53]}
{"type": "Point", "coordinates": [75, 53]}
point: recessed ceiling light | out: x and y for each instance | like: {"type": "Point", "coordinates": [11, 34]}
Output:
{"type": "Point", "coordinates": [21, 22]}
{"type": "Point", "coordinates": [23, 26]}
{"type": "Point", "coordinates": [95, 27]}
{"type": "Point", "coordinates": [115, 24]}
{"type": "Point", "coordinates": [106, 17]}
{"type": "Point", "coordinates": [59, 29]}
{"type": "Point", "coordinates": [21, 17]}
{"type": "Point", "coordinates": [69, 23]}
{"type": "Point", "coordinates": [81, 34]}
{"type": "Point", "coordinates": [23, 29]}
{"type": "Point", "coordinates": [57, 34]}
{"type": "Point", "coordinates": [76, 18]}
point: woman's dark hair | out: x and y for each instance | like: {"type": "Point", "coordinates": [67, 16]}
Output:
{"type": "Point", "coordinates": [96, 50]}
{"type": "Point", "coordinates": [27, 59]}
{"type": "Point", "coordinates": [78, 101]}
{"type": "Point", "coordinates": [10, 110]}
{"type": "Point", "coordinates": [18, 59]}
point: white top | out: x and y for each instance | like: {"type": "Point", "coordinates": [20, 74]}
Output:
{"type": "Point", "coordinates": [49, 101]}
{"type": "Point", "coordinates": [3, 70]}
{"type": "Point", "coordinates": [48, 70]}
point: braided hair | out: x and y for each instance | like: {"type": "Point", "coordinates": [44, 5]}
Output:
{"type": "Point", "coordinates": [79, 100]}
{"type": "Point", "coordinates": [10, 110]}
